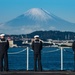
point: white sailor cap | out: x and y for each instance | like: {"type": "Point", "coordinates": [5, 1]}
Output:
{"type": "Point", "coordinates": [2, 34]}
{"type": "Point", "coordinates": [36, 36]}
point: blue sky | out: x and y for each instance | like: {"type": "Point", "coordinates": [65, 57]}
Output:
{"type": "Point", "coordinates": [10, 9]}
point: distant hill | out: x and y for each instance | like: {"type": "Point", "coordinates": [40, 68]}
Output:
{"type": "Point", "coordinates": [44, 35]}
{"type": "Point", "coordinates": [55, 35]}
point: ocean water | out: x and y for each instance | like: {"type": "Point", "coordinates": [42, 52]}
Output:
{"type": "Point", "coordinates": [51, 59]}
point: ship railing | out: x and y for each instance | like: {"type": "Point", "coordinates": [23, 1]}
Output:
{"type": "Point", "coordinates": [27, 49]}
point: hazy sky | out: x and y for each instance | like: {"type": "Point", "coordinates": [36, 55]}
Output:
{"type": "Point", "coordinates": [10, 9]}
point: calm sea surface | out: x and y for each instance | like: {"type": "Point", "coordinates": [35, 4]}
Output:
{"type": "Point", "coordinates": [51, 59]}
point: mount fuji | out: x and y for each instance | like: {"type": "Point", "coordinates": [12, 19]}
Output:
{"type": "Point", "coordinates": [36, 19]}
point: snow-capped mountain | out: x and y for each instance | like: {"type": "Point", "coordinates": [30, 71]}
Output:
{"type": "Point", "coordinates": [36, 19]}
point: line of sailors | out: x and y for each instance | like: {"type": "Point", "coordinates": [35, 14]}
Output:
{"type": "Point", "coordinates": [36, 46]}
